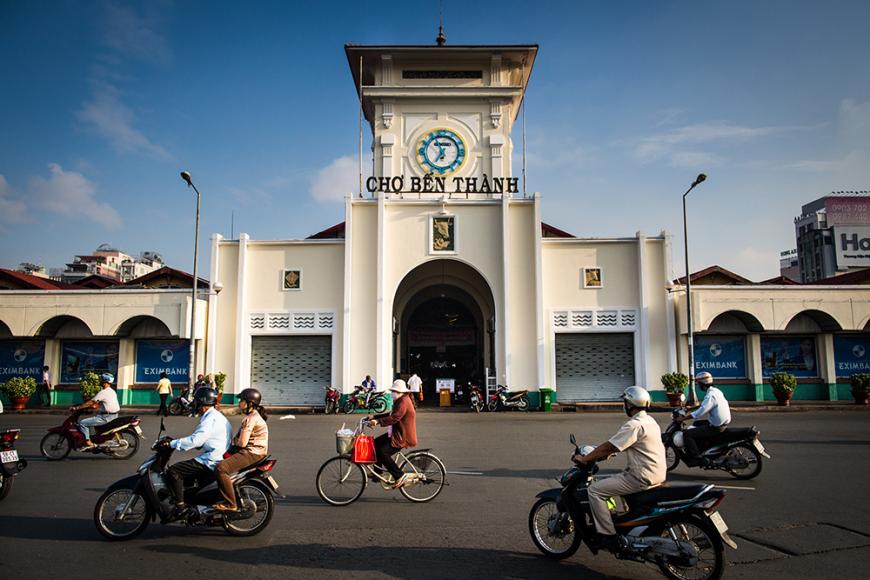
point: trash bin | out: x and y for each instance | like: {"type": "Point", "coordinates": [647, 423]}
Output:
{"type": "Point", "coordinates": [548, 397]}
{"type": "Point", "coordinates": [445, 397]}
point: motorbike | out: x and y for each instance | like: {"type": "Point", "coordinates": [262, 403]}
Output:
{"type": "Point", "coordinates": [504, 399]}
{"type": "Point", "coordinates": [10, 464]}
{"type": "Point", "coordinates": [737, 451]}
{"type": "Point", "coordinates": [119, 438]}
{"type": "Point", "coordinates": [475, 398]}
{"type": "Point", "coordinates": [677, 528]}
{"type": "Point", "coordinates": [332, 398]}
{"type": "Point", "coordinates": [127, 507]}
{"type": "Point", "coordinates": [183, 405]}
{"type": "Point", "coordinates": [377, 402]}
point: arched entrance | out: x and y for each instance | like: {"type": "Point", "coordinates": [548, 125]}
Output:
{"type": "Point", "coordinates": [443, 325]}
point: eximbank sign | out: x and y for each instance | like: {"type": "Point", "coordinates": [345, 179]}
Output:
{"type": "Point", "coordinates": [852, 245]}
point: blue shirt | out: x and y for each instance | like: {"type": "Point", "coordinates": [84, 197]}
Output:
{"type": "Point", "coordinates": [714, 408]}
{"type": "Point", "coordinates": [212, 436]}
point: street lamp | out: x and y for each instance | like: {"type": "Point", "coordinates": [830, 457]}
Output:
{"type": "Point", "coordinates": [192, 368]}
{"type": "Point", "coordinates": [691, 342]}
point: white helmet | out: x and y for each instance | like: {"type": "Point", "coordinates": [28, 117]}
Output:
{"type": "Point", "coordinates": [704, 380]}
{"type": "Point", "coordinates": [636, 397]}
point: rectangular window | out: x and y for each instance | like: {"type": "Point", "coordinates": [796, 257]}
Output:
{"type": "Point", "coordinates": [442, 74]}
{"type": "Point", "coordinates": [291, 280]}
{"type": "Point", "coordinates": [162, 356]}
{"type": "Point", "coordinates": [795, 355]}
{"type": "Point", "coordinates": [723, 356]}
{"type": "Point", "coordinates": [93, 356]}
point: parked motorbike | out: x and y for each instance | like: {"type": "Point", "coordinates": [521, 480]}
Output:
{"type": "Point", "coordinates": [128, 505]}
{"type": "Point", "coordinates": [475, 398]}
{"type": "Point", "coordinates": [737, 451]}
{"type": "Point", "coordinates": [332, 398]}
{"type": "Point", "coordinates": [10, 464]}
{"type": "Point", "coordinates": [678, 528]}
{"type": "Point", "coordinates": [377, 402]}
{"type": "Point", "coordinates": [183, 405]}
{"type": "Point", "coordinates": [118, 439]}
{"type": "Point", "coordinates": [504, 399]}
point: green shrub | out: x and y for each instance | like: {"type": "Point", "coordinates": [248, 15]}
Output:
{"type": "Point", "coordinates": [860, 384]}
{"type": "Point", "coordinates": [783, 384]}
{"type": "Point", "coordinates": [219, 380]}
{"type": "Point", "coordinates": [20, 387]}
{"type": "Point", "coordinates": [675, 382]}
{"type": "Point", "coordinates": [90, 385]}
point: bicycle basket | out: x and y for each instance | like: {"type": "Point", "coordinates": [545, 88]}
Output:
{"type": "Point", "coordinates": [343, 444]}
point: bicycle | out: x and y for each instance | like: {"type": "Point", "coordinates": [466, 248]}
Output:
{"type": "Point", "coordinates": [341, 481]}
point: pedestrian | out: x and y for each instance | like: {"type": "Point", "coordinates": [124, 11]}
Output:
{"type": "Point", "coordinates": [164, 389]}
{"type": "Point", "coordinates": [416, 386]}
{"type": "Point", "coordinates": [45, 387]}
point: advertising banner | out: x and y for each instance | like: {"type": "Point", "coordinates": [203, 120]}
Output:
{"type": "Point", "coordinates": [722, 356]}
{"type": "Point", "coordinates": [78, 358]}
{"type": "Point", "coordinates": [21, 358]}
{"type": "Point", "coordinates": [162, 356]}
{"type": "Point", "coordinates": [852, 244]}
{"type": "Point", "coordinates": [795, 355]}
{"type": "Point", "coordinates": [852, 354]}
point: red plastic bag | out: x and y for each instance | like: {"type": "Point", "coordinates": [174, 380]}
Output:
{"type": "Point", "coordinates": [364, 449]}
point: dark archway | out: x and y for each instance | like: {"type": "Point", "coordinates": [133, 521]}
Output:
{"type": "Point", "coordinates": [143, 326]}
{"type": "Point", "coordinates": [813, 321]}
{"type": "Point", "coordinates": [735, 321]}
{"type": "Point", "coordinates": [4, 330]}
{"type": "Point", "coordinates": [64, 326]}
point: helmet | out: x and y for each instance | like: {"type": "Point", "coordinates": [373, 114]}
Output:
{"type": "Point", "coordinates": [205, 397]}
{"type": "Point", "coordinates": [107, 378]}
{"type": "Point", "coordinates": [704, 380]}
{"type": "Point", "coordinates": [636, 397]}
{"type": "Point", "coordinates": [252, 396]}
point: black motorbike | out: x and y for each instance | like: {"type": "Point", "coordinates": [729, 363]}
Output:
{"type": "Point", "coordinates": [126, 508]}
{"type": "Point", "coordinates": [183, 405]}
{"type": "Point", "coordinates": [737, 451]}
{"type": "Point", "coordinates": [677, 528]}
{"type": "Point", "coordinates": [475, 398]}
{"type": "Point", "coordinates": [502, 398]}
{"type": "Point", "coordinates": [10, 464]}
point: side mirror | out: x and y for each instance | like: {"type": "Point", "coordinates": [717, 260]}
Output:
{"type": "Point", "coordinates": [573, 440]}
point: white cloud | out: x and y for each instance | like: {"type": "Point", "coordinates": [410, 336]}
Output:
{"type": "Point", "coordinates": [70, 193]}
{"type": "Point", "coordinates": [108, 116]}
{"type": "Point", "coordinates": [336, 180]}
{"type": "Point", "coordinates": [694, 159]}
{"type": "Point", "coordinates": [135, 35]}
{"type": "Point", "coordinates": [12, 210]}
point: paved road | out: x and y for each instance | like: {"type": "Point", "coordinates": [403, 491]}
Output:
{"type": "Point", "coordinates": [807, 516]}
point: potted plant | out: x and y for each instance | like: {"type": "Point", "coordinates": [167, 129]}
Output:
{"type": "Point", "coordinates": [675, 384]}
{"type": "Point", "coordinates": [90, 385]}
{"type": "Point", "coordinates": [219, 380]}
{"type": "Point", "coordinates": [860, 387]}
{"type": "Point", "coordinates": [783, 385]}
{"type": "Point", "coordinates": [19, 390]}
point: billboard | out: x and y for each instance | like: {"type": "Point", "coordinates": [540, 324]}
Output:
{"type": "Point", "coordinates": [21, 358]}
{"type": "Point", "coordinates": [92, 356]}
{"type": "Point", "coordinates": [840, 210]}
{"type": "Point", "coordinates": [852, 354]}
{"type": "Point", "coordinates": [852, 246]}
{"type": "Point", "coordinates": [162, 356]}
{"type": "Point", "coordinates": [795, 355]}
{"type": "Point", "coordinates": [723, 356]}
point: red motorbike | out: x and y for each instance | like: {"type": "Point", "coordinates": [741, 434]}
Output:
{"type": "Point", "coordinates": [332, 399]}
{"type": "Point", "coordinates": [119, 439]}
{"type": "Point", "coordinates": [10, 464]}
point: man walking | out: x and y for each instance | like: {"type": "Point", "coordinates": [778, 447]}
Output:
{"type": "Point", "coordinates": [164, 389]}
{"type": "Point", "coordinates": [45, 387]}
{"type": "Point", "coordinates": [416, 385]}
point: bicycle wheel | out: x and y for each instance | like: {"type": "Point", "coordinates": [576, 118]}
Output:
{"type": "Point", "coordinates": [340, 481]}
{"type": "Point", "coordinates": [429, 477]}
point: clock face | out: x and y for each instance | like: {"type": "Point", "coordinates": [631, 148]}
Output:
{"type": "Point", "coordinates": [441, 152]}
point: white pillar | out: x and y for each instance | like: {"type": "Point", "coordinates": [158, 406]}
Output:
{"type": "Point", "coordinates": [242, 371]}
{"type": "Point", "coordinates": [384, 327]}
{"type": "Point", "coordinates": [539, 293]}
{"type": "Point", "coordinates": [643, 376]}
{"type": "Point", "coordinates": [348, 287]}
{"type": "Point", "coordinates": [504, 324]}
{"type": "Point", "coordinates": [211, 328]}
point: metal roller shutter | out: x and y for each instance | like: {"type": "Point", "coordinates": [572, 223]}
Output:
{"type": "Point", "coordinates": [291, 370]}
{"type": "Point", "coordinates": [593, 367]}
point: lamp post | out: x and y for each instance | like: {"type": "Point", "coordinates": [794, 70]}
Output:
{"type": "Point", "coordinates": [192, 368]}
{"type": "Point", "coordinates": [690, 338]}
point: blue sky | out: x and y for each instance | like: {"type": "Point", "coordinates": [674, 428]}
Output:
{"type": "Point", "coordinates": [102, 104]}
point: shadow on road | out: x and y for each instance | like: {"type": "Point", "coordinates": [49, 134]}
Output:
{"type": "Point", "coordinates": [35, 528]}
{"type": "Point", "coordinates": [818, 442]}
{"type": "Point", "coordinates": [400, 562]}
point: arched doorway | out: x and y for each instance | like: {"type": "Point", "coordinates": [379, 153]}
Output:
{"type": "Point", "coordinates": [443, 325]}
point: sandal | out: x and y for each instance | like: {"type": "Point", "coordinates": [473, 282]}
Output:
{"type": "Point", "coordinates": [225, 507]}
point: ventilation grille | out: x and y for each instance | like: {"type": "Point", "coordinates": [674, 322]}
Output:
{"type": "Point", "coordinates": [594, 319]}
{"type": "Point", "coordinates": [292, 322]}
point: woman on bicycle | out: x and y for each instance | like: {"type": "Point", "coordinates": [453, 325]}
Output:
{"type": "Point", "coordinates": [251, 442]}
{"type": "Point", "coordinates": [401, 432]}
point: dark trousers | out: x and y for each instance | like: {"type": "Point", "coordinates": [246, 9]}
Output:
{"type": "Point", "coordinates": [232, 464]}
{"type": "Point", "coordinates": [44, 395]}
{"type": "Point", "coordinates": [384, 450]}
{"type": "Point", "coordinates": [164, 410]}
{"type": "Point", "coordinates": [701, 430]}
{"type": "Point", "coordinates": [183, 473]}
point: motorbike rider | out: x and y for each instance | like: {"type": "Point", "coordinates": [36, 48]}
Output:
{"type": "Point", "coordinates": [641, 439]}
{"type": "Point", "coordinates": [401, 433]}
{"type": "Point", "coordinates": [252, 442]}
{"type": "Point", "coordinates": [710, 418]}
{"type": "Point", "coordinates": [368, 387]}
{"type": "Point", "coordinates": [211, 436]}
{"type": "Point", "coordinates": [107, 401]}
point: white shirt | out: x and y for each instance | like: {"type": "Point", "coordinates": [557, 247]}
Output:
{"type": "Point", "coordinates": [46, 378]}
{"type": "Point", "coordinates": [714, 408]}
{"type": "Point", "coordinates": [641, 440]}
{"type": "Point", "coordinates": [212, 435]}
{"type": "Point", "coordinates": [108, 400]}
{"type": "Point", "coordinates": [414, 383]}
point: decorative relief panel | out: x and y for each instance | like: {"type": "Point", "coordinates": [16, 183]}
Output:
{"type": "Point", "coordinates": [591, 320]}
{"type": "Point", "coordinates": [300, 322]}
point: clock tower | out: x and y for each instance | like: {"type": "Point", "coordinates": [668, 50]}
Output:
{"type": "Point", "coordinates": [441, 111]}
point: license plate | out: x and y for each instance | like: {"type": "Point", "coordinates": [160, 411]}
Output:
{"type": "Point", "coordinates": [760, 447]}
{"type": "Point", "coordinates": [720, 524]}
{"type": "Point", "coordinates": [138, 430]}
{"type": "Point", "coordinates": [8, 456]}
{"type": "Point", "coordinates": [272, 482]}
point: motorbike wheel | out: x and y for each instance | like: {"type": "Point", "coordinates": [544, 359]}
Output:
{"type": "Point", "coordinates": [544, 519]}
{"type": "Point", "coordinates": [330, 408]}
{"type": "Point", "coordinates": [249, 495]}
{"type": "Point", "coordinates": [350, 406]}
{"type": "Point", "coordinates": [706, 540]}
{"type": "Point", "coordinates": [5, 485]}
{"type": "Point", "coordinates": [55, 446]}
{"type": "Point", "coordinates": [176, 408]}
{"type": "Point", "coordinates": [340, 481]}
{"type": "Point", "coordinates": [131, 447]}
{"type": "Point", "coordinates": [492, 406]}
{"type": "Point", "coordinates": [743, 453]}
{"type": "Point", "coordinates": [135, 521]}
{"type": "Point", "coordinates": [432, 473]}
{"type": "Point", "coordinates": [478, 406]}
{"type": "Point", "coordinates": [379, 405]}
{"type": "Point", "coordinates": [523, 404]}
{"type": "Point", "coordinates": [671, 457]}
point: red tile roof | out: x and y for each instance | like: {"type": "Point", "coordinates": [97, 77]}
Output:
{"type": "Point", "coordinates": [164, 271]}
{"type": "Point", "coordinates": [31, 282]}
{"type": "Point", "coordinates": [737, 279]}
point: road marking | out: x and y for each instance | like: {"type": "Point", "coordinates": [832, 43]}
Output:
{"type": "Point", "coordinates": [288, 417]}
{"type": "Point", "coordinates": [734, 487]}
{"type": "Point", "coordinates": [465, 472]}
